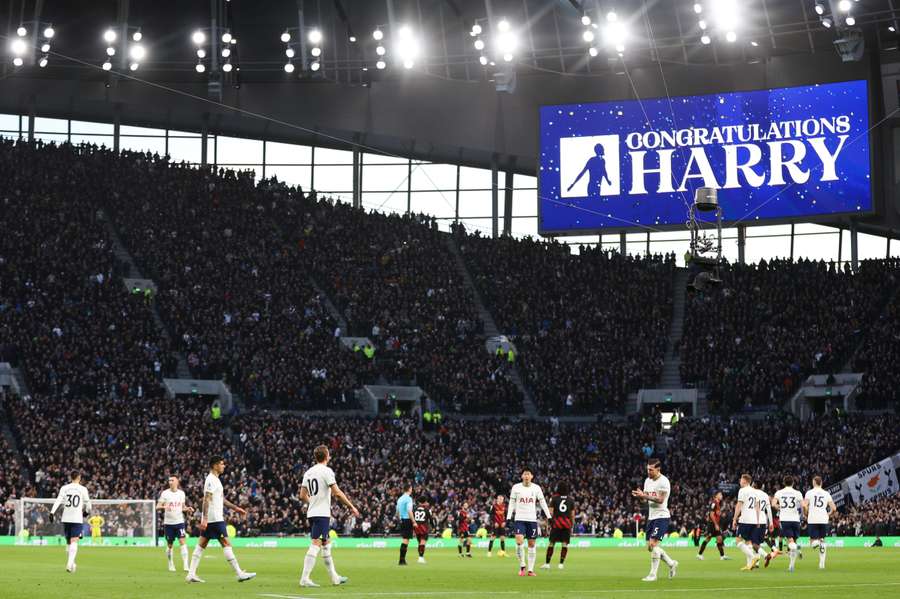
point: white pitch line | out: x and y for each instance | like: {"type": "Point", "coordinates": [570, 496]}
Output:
{"type": "Point", "coordinates": [655, 589]}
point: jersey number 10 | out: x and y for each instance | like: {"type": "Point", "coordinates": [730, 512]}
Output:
{"type": "Point", "coordinates": [313, 486]}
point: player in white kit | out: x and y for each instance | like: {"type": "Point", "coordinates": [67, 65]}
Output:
{"type": "Point", "coordinates": [656, 493]}
{"type": "Point", "coordinates": [766, 524]}
{"type": "Point", "coordinates": [212, 523]}
{"type": "Point", "coordinates": [76, 504]}
{"type": "Point", "coordinates": [788, 502]}
{"type": "Point", "coordinates": [816, 504]}
{"type": "Point", "coordinates": [318, 487]}
{"type": "Point", "coordinates": [746, 521]}
{"type": "Point", "coordinates": [523, 501]}
{"type": "Point", "coordinates": [172, 500]}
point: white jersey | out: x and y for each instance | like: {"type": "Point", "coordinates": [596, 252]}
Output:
{"type": "Point", "coordinates": [173, 502]}
{"type": "Point", "coordinates": [216, 510]}
{"type": "Point", "coordinates": [523, 502]}
{"type": "Point", "coordinates": [765, 507]}
{"type": "Point", "coordinates": [656, 488]}
{"type": "Point", "coordinates": [75, 501]}
{"type": "Point", "coordinates": [818, 499]}
{"type": "Point", "coordinates": [318, 481]}
{"type": "Point", "coordinates": [789, 501]}
{"type": "Point", "coordinates": [747, 497]}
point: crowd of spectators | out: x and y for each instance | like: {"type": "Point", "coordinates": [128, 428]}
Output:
{"type": "Point", "coordinates": [770, 325]}
{"type": "Point", "coordinates": [233, 292]}
{"type": "Point", "coordinates": [875, 518]}
{"type": "Point", "coordinates": [590, 328]}
{"type": "Point", "coordinates": [12, 483]}
{"type": "Point", "coordinates": [396, 282]}
{"type": "Point", "coordinates": [879, 356]}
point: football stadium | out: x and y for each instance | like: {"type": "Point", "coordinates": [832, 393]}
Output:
{"type": "Point", "coordinates": [398, 299]}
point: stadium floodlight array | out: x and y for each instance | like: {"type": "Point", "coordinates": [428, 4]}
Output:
{"type": "Point", "coordinates": [125, 522]}
{"type": "Point", "coordinates": [20, 48]}
{"type": "Point", "coordinates": [133, 52]}
{"type": "Point", "coordinates": [718, 17]}
{"type": "Point", "coordinates": [297, 43]}
{"type": "Point", "coordinates": [221, 43]}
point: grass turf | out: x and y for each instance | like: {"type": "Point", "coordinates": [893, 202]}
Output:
{"type": "Point", "coordinates": [107, 572]}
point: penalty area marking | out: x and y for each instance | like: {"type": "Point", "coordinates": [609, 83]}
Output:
{"type": "Point", "coordinates": [600, 592]}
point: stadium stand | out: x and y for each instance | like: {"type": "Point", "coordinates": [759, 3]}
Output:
{"type": "Point", "coordinates": [879, 357]}
{"type": "Point", "coordinates": [394, 280]}
{"type": "Point", "coordinates": [590, 328]}
{"type": "Point", "coordinates": [776, 322]}
{"type": "Point", "coordinates": [90, 350]}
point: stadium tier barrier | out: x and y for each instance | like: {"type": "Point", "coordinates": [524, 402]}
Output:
{"type": "Point", "coordinates": [436, 543]}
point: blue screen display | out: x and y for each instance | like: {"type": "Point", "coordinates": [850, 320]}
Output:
{"type": "Point", "coordinates": [772, 154]}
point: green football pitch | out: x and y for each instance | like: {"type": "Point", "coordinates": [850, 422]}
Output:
{"type": "Point", "coordinates": [109, 572]}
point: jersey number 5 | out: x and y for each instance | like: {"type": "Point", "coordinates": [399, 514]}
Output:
{"type": "Point", "coordinates": [313, 486]}
{"type": "Point", "coordinates": [73, 500]}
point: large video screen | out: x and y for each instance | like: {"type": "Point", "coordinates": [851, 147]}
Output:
{"type": "Point", "coordinates": [772, 154]}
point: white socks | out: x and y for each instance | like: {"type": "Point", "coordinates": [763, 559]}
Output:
{"type": "Point", "coordinates": [229, 557]}
{"type": "Point", "coordinates": [747, 551]}
{"type": "Point", "coordinates": [73, 550]}
{"type": "Point", "coordinates": [665, 556]}
{"type": "Point", "coordinates": [195, 560]}
{"type": "Point", "coordinates": [520, 553]}
{"type": "Point", "coordinates": [761, 552]}
{"type": "Point", "coordinates": [792, 553]}
{"type": "Point", "coordinates": [310, 561]}
{"type": "Point", "coordinates": [184, 557]}
{"type": "Point", "coordinates": [822, 551]}
{"type": "Point", "coordinates": [329, 563]}
{"type": "Point", "coordinates": [532, 556]}
{"type": "Point", "coordinates": [655, 555]}
{"type": "Point", "coordinates": [169, 556]}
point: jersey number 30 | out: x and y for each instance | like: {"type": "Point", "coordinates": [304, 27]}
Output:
{"type": "Point", "coordinates": [313, 486]}
{"type": "Point", "coordinates": [73, 500]}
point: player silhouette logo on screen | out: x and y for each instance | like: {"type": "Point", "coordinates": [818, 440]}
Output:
{"type": "Point", "coordinates": [596, 166]}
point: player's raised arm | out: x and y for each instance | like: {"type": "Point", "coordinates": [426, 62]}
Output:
{"type": "Point", "coordinates": [336, 491]}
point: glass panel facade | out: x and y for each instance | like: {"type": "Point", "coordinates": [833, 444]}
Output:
{"type": "Point", "coordinates": [9, 123]}
{"type": "Point", "coordinates": [287, 154]}
{"type": "Point", "coordinates": [236, 150]}
{"type": "Point", "coordinates": [185, 147]}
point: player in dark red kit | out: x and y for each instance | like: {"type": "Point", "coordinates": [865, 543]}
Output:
{"type": "Point", "coordinates": [498, 526]}
{"type": "Point", "coordinates": [562, 519]}
{"type": "Point", "coordinates": [422, 522]}
{"type": "Point", "coordinates": [714, 527]}
{"type": "Point", "coordinates": [462, 530]}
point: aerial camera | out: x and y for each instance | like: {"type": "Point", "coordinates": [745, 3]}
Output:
{"type": "Point", "coordinates": [705, 257]}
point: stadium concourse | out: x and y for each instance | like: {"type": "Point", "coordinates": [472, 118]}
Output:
{"type": "Point", "coordinates": [235, 262]}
